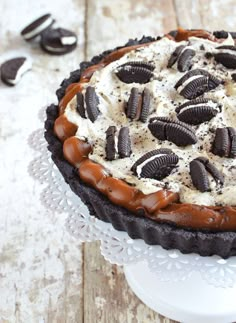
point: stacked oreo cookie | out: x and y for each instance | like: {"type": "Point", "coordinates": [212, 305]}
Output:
{"type": "Point", "coordinates": [55, 41]}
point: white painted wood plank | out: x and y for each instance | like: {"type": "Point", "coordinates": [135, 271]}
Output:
{"type": "Point", "coordinates": [207, 14]}
{"type": "Point", "coordinates": [40, 264]}
{"type": "Point", "coordinates": [112, 23]}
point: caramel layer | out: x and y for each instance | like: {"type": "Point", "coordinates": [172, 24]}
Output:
{"type": "Point", "coordinates": [161, 206]}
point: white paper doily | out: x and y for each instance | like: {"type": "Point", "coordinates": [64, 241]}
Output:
{"type": "Point", "coordinates": [117, 247]}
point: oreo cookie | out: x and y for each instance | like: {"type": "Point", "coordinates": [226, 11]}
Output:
{"type": "Point", "coordinates": [233, 76]}
{"type": "Point", "coordinates": [156, 164]}
{"type": "Point", "coordinates": [197, 111]}
{"type": "Point", "coordinates": [199, 169]}
{"type": "Point", "coordinates": [80, 105]}
{"type": "Point", "coordinates": [87, 104]}
{"type": "Point", "coordinates": [37, 27]}
{"type": "Point", "coordinates": [175, 55]}
{"type": "Point", "coordinates": [92, 101]}
{"type": "Point", "coordinates": [183, 56]}
{"type": "Point", "coordinates": [135, 72]}
{"type": "Point", "coordinates": [124, 143]}
{"type": "Point", "coordinates": [224, 144]}
{"type": "Point", "coordinates": [232, 136]}
{"type": "Point", "coordinates": [172, 130]}
{"type": "Point", "coordinates": [117, 145]}
{"type": "Point", "coordinates": [226, 55]}
{"type": "Point", "coordinates": [222, 34]}
{"type": "Point", "coordinates": [138, 105]}
{"type": "Point", "coordinates": [58, 41]}
{"type": "Point", "coordinates": [199, 176]}
{"type": "Point", "coordinates": [195, 83]}
{"type": "Point", "coordinates": [215, 173]}
{"type": "Point", "coordinates": [111, 143]}
{"type": "Point", "coordinates": [13, 70]}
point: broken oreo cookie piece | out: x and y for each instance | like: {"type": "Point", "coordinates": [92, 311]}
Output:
{"type": "Point", "coordinates": [87, 105]}
{"type": "Point", "coordinates": [197, 111]}
{"type": "Point", "coordinates": [37, 27]}
{"type": "Point", "coordinates": [175, 131]}
{"type": "Point", "coordinates": [13, 69]}
{"type": "Point", "coordinates": [156, 164]}
{"type": "Point", "coordinates": [117, 146]}
{"type": "Point", "coordinates": [58, 41]}
{"type": "Point", "coordinates": [183, 56]}
{"type": "Point", "coordinates": [195, 83]}
{"type": "Point", "coordinates": [224, 144]}
{"type": "Point", "coordinates": [135, 72]}
{"type": "Point", "coordinates": [199, 169]}
{"type": "Point", "coordinates": [138, 105]}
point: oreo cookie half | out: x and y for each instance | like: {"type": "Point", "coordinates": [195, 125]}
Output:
{"type": "Point", "coordinates": [195, 83]}
{"type": "Point", "coordinates": [226, 55]}
{"type": "Point", "coordinates": [138, 105]}
{"type": "Point", "coordinates": [87, 105]}
{"type": "Point", "coordinates": [13, 69]}
{"type": "Point", "coordinates": [92, 101]}
{"type": "Point", "coordinates": [183, 56]}
{"type": "Point", "coordinates": [124, 143]}
{"type": "Point", "coordinates": [111, 143]}
{"type": "Point", "coordinates": [197, 111]}
{"type": "Point", "coordinates": [80, 105]}
{"type": "Point", "coordinates": [199, 169]}
{"type": "Point", "coordinates": [37, 27]}
{"type": "Point", "coordinates": [58, 41]}
{"type": "Point", "coordinates": [156, 164]}
{"type": "Point", "coordinates": [175, 131]}
{"type": "Point", "coordinates": [135, 72]}
{"type": "Point", "coordinates": [224, 34]}
{"type": "Point", "coordinates": [224, 144]}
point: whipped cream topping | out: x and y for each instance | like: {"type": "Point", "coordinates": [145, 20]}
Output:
{"type": "Point", "coordinates": [113, 94]}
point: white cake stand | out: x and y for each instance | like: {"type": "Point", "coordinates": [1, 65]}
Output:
{"type": "Point", "coordinates": [192, 300]}
{"type": "Point", "coordinates": [186, 288]}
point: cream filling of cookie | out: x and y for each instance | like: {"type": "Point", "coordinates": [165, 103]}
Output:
{"type": "Point", "coordinates": [25, 67]}
{"type": "Point", "coordinates": [113, 93]}
{"type": "Point", "coordinates": [189, 80]}
{"type": "Point", "coordinates": [140, 167]}
{"type": "Point", "coordinates": [211, 104]}
{"type": "Point", "coordinates": [68, 40]}
{"type": "Point", "coordinates": [225, 51]}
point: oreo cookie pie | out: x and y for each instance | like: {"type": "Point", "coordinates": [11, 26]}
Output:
{"type": "Point", "coordinates": [145, 135]}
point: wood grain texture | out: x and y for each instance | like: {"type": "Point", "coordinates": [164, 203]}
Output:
{"type": "Point", "coordinates": [107, 297]}
{"type": "Point", "coordinates": [206, 14]}
{"type": "Point", "coordinates": [41, 264]}
{"type": "Point", "coordinates": [113, 23]}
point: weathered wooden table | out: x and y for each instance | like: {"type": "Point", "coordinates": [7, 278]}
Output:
{"type": "Point", "coordinates": [45, 275]}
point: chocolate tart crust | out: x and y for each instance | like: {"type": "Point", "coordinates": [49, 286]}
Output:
{"type": "Point", "coordinates": [168, 236]}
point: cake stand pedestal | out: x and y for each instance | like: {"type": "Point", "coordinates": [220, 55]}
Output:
{"type": "Point", "coordinates": [192, 300]}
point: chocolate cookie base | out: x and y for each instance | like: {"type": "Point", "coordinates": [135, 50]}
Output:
{"type": "Point", "coordinates": [168, 236]}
